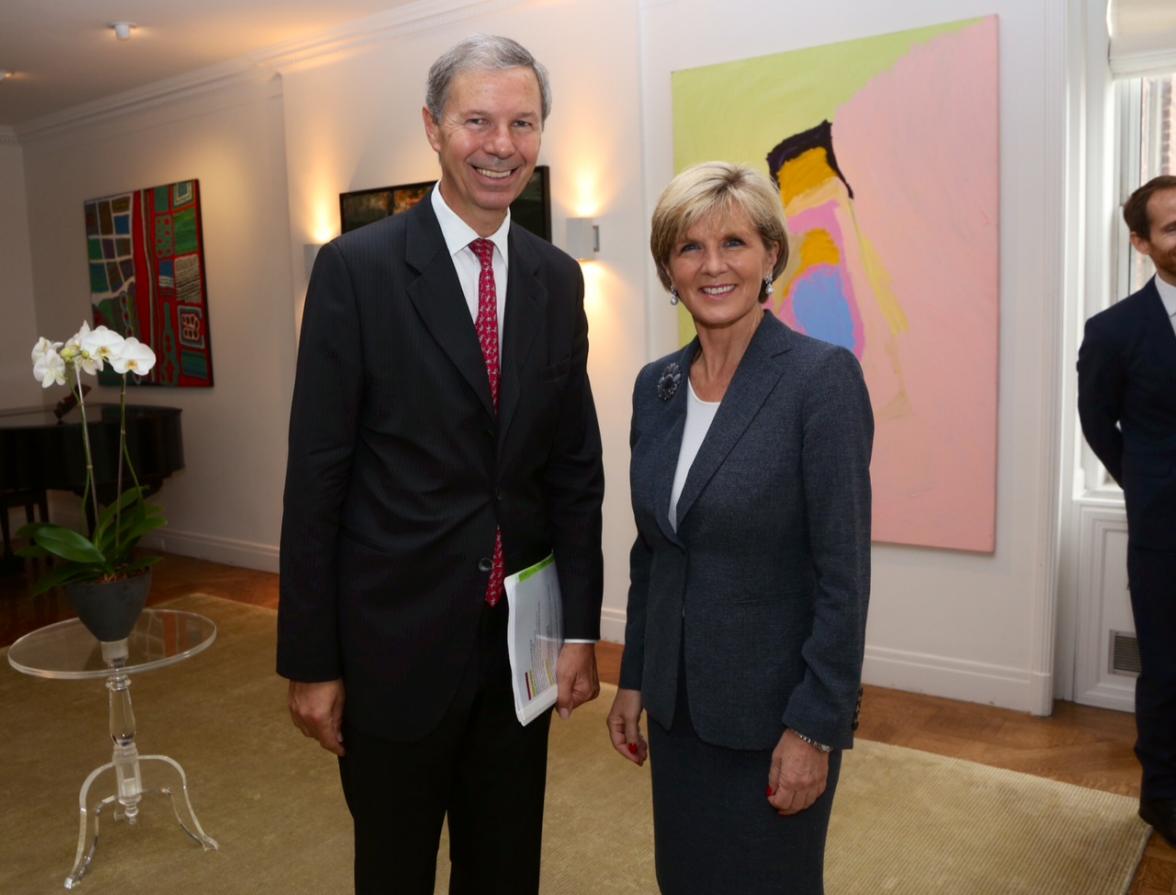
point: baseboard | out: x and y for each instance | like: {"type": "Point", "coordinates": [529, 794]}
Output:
{"type": "Point", "coordinates": [999, 685]}
{"type": "Point", "coordinates": [230, 551]}
{"type": "Point", "coordinates": [612, 625]}
{"type": "Point", "coordinates": [1110, 695]}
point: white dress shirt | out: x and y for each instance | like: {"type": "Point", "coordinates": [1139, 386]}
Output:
{"type": "Point", "coordinates": [1168, 297]}
{"type": "Point", "coordinates": [699, 416]}
{"type": "Point", "coordinates": [458, 235]}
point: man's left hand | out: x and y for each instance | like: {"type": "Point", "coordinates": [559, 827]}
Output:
{"type": "Point", "coordinates": [575, 672]}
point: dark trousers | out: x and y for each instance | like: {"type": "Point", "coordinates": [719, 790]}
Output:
{"type": "Point", "coordinates": [479, 766]}
{"type": "Point", "coordinates": [1152, 577]}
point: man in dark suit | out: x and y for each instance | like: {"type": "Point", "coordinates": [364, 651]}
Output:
{"type": "Point", "coordinates": [1127, 403]}
{"type": "Point", "coordinates": [442, 435]}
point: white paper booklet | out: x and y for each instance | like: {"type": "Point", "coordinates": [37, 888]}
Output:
{"type": "Point", "coordinates": [534, 636]}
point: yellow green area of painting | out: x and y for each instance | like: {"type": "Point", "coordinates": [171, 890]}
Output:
{"type": "Point", "coordinates": [738, 111]}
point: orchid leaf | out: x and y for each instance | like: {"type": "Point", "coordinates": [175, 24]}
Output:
{"type": "Point", "coordinates": [65, 574]}
{"type": "Point", "coordinates": [109, 515]}
{"type": "Point", "coordinates": [132, 534]}
{"type": "Point", "coordinates": [68, 544]}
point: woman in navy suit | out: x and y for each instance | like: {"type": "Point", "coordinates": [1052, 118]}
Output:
{"type": "Point", "coordinates": [750, 572]}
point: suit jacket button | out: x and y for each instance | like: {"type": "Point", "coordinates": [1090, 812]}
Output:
{"type": "Point", "coordinates": [485, 564]}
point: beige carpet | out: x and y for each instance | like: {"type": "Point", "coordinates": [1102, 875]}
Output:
{"type": "Point", "coordinates": [904, 821]}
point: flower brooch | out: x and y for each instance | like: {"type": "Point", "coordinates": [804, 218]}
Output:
{"type": "Point", "coordinates": [667, 383]}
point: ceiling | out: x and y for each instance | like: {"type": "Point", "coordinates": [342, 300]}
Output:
{"type": "Point", "coordinates": [64, 54]}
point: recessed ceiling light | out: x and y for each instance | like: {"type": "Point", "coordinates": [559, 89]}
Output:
{"type": "Point", "coordinates": [122, 30]}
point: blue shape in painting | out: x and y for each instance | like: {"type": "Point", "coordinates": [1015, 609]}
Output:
{"type": "Point", "coordinates": [122, 224]}
{"type": "Point", "coordinates": [821, 308]}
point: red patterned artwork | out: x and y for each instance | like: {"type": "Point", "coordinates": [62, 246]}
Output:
{"type": "Point", "coordinates": [146, 258]}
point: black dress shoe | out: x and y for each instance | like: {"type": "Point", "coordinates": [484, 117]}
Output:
{"type": "Point", "coordinates": [1161, 814]}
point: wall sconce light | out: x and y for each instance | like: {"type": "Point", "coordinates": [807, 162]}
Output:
{"type": "Point", "coordinates": [122, 30]}
{"type": "Point", "coordinates": [583, 239]}
{"type": "Point", "coordinates": [5, 74]}
{"type": "Point", "coordinates": [309, 253]}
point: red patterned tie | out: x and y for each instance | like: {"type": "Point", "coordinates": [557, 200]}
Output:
{"type": "Point", "coordinates": [487, 328]}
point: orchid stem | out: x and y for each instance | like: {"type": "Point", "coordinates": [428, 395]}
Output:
{"type": "Point", "coordinates": [122, 451]}
{"type": "Point", "coordinates": [91, 486]}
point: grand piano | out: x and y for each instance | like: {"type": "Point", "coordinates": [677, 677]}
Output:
{"type": "Point", "coordinates": [40, 453]}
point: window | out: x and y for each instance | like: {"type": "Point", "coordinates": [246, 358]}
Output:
{"type": "Point", "coordinates": [1147, 146]}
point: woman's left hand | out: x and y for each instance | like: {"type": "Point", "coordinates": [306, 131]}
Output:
{"type": "Point", "coordinates": [798, 774]}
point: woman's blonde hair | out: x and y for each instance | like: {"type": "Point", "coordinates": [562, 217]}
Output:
{"type": "Point", "coordinates": [716, 187]}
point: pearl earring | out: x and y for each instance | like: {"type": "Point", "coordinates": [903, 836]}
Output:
{"type": "Point", "coordinates": [767, 286]}
{"type": "Point", "coordinates": [673, 295]}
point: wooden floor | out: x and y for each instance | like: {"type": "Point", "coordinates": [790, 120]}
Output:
{"type": "Point", "coordinates": [1077, 744]}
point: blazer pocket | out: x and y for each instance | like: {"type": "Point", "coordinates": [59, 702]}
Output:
{"type": "Point", "coordinates": [556, 371]}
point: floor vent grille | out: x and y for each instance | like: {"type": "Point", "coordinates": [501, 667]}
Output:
{"type": "Point", "coordinates": [1124, 653]}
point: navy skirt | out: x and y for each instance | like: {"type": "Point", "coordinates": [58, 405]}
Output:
{"type": "Point", "coordinates": [714, 831]}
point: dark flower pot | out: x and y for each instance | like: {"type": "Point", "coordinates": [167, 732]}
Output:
{"type": "Point", "coordinates": [109, 609]}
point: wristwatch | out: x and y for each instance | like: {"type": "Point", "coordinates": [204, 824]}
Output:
{"type": "Point", "coordinates": [820, 747]}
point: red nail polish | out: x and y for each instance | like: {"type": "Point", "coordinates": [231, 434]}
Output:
{"type": "Point", "coordinates": [632, 748]}
{"type": "Point", "coordinates": [769, 792]}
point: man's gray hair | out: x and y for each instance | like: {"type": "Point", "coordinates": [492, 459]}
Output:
{"type": "Point", "coordinates": [487, 52]}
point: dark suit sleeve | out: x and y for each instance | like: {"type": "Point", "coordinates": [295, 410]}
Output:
{"type": "Point", "coordinates": [323, 422]}
{"type": "Point", "coordinates": [838, 438]}
{"type": "Point", "coordinates": [574, 485]}
{"type": "Point", "coordinates": [1101, 379]}
{"type": "Point", "coordinates": [640, 557]}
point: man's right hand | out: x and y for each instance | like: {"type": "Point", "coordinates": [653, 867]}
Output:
{"type": "Point", "coordinates": [317, 710]}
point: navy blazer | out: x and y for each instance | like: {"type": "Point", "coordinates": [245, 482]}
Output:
{"type": "Point", "coordinates": [399, 470]}
{"type": "Point", "coordinates": [1127, 405]}
{"type": "Point", "coordinates": [767, 579]}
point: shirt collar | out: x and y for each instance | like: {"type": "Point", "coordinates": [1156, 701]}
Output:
{"type": "Point", "coordinates": [1167, 295]}
{"type": "Point", "coordinates": [457, 233]}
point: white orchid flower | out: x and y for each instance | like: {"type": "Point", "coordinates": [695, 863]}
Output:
{"type": "Point", "coordinates": [43, 347]}
{"type": "Point", "coordinates": [133, 357]}
{"type": "Point", "coordinates": [75, 352]}
{"type": "Point", "coordinates": [102, 343]}
{"type": "Point", "coordinates": [49, 367]}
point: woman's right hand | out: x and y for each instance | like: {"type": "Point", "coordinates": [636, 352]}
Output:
{"type": "Point", "coordinates": [624, 726]}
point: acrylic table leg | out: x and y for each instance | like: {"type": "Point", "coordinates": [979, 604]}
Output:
{"type": "Point", "coordinates": [126, 763]}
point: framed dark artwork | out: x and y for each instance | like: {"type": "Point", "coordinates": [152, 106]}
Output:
{"type": "Point", "coordinates": [531, 210]}
{"type": "Point", "coordinates": [145, 252]}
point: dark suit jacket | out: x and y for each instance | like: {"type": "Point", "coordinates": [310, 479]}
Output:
{"type": "Point", "coordinates": [1127, 404]}
{"type": "Point", "coordinates": [399, 471]}
{"type": "Point", "coordinates": [767, 579]}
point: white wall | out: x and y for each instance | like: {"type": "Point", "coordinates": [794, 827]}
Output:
{"type": "Point", "coordinates": [17, 386]}
{"type": "Point", "coordinates": [226, 503]}
{"type": "Point", "coordinates": [971, 626]}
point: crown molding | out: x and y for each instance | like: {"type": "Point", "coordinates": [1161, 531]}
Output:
{"type": "Point", "coordinates": [259, 65]}
{"type": "Point", "coordinates": [372, 29]}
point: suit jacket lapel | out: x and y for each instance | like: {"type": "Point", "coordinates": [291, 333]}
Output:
{"type": "Point", "coordinates": [436, 294]}
{"type": "Point", "coordinates": [757, 375]}
{"type": "Point", "coordinates": [526, 299]}
{"type": "Point", "coordinates": [668, 444]}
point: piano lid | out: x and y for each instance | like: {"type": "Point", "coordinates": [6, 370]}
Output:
{"type": "Point", "coordinates": [96, 414]}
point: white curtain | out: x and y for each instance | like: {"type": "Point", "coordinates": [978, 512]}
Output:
{"type": "Point", "coordinates": [1143, 37]}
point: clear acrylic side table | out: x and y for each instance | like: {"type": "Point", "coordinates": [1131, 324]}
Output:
{"type": "Point", "coordinates": [67, 651]}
